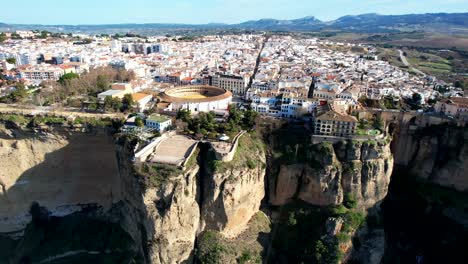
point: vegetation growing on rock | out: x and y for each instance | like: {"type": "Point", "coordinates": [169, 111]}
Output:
{"type": "Point", "coordinates": [248, 247]}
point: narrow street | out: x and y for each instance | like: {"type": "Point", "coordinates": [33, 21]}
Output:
{"type": "Point", "coordinates": [257, 63]}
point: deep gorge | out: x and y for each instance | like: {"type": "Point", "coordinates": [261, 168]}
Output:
{"type": "Point", "coordinates": [279, 191]}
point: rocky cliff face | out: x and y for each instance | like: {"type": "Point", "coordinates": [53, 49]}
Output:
{"type": "Point", "coordinates": [58, 183]}
{"type": "Point", "coordinates": [173, 219]}
{"type": "Point", "coordinates": [233, 191]}
{"type": "Point", "coordinates": [429, 190]}
{"type": "Point", "coordinates": [222, 198]}
{"type": "Point", "coordinates": [436, 154]}
{"type": "Point", "coordinates": [362, 169]}
{"type": "Point", "coordinates": [87, 177]}
{"type": "Point", "coordinates": [58, 169]}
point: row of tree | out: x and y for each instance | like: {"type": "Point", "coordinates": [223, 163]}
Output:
{"type": "Point", "coordinates": [89, 84]}
{"type": "Point", "coordinates": [206, 123]}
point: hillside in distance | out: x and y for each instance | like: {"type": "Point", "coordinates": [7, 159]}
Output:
{"type": "Point", "coordinates": [452, 23]}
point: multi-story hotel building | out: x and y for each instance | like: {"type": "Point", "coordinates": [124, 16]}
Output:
{"type": "Point", "coordinates": [332, 123]}
{"type": "Point", "coordinates": [42, 73]}
{"type": "Point", "coordinates": [235, 84]}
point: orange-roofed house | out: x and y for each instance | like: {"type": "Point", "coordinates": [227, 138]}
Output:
{"type": "Point", "coordinates": [67, 68]}
{"type": "Point", "coordinates": [142, 100]}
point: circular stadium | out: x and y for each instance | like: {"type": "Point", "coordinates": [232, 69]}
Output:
{"type": "Point", "coordinates": [197, 98]}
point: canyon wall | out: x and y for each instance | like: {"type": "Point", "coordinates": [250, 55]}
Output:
{"type": "Point", "coordinates": [55, 180]}
{"type": "Point", "coordinates": [360, 169]}
{"type": "Point", "coordinates": [208, 195]}
{"type": "Point", "coordinates": [58, 182]}
{"type": "Point", "coordinates": [435, 154]}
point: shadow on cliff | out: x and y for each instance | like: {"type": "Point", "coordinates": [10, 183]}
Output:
{"type": "Point", "coordinates": [84, 172]}
{"type": "Point", "coordinates": [424, 222]}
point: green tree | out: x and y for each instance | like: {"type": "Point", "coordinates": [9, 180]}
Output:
{"type": "Point", "coordinates": [19, 93]}
{"type": "Point", "coordinates": [102, 82]}
{"type": "Point", "coordinates": [459, 84]}
{"type": "Point", "coordinates": [416, 97]}
{"type": "Point", "coordinates": [3, 37]}
{"type": "Point", "coordinates": [184, 115]}
{"type": "Point", "coordinates": [44, 34]}
{"type": "Point", "coordinates": [112, 104]}
{"type": "Point", "coordinates": [16, 36]}
{"type": "Point", "coordinates": [377, 123]}
{"type": "Point", "coordinates": [248, 121]}
{"type": "Point", "coordinates": [108, 103]}
{"type": "Point", "coordinates": [127, 102]}
{"type": "Point", "coordinates": [11, 60]}
{"type": "Point", "coordinates": [362, 124]}
{"type": "Point", "coordinates": [65, 79]}
{"type": "Point", "coordinates": [416, 100]}
{"type": "Point", "coordinates": [235, 114]}
{"type": "Point", "coordinates": [139, 122]}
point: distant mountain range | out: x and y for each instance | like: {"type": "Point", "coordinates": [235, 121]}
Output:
{"type": "Point", "coordinates": [366, 23]}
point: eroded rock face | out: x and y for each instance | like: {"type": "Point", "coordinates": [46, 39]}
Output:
{"type": "Point", "coordinates": [360, 169]}
{"type": "Point", "coordinates": [173, 216]}
{"type": "Point", "coordinates": [287, 182]}
{"type": "Point", "coordinates": [60, 170]}
{"type": "Point", "coordinates": [436, 154]}
{"type": "Point", "coordinates": [232, 197]}
{"type": "Point", "coordinates": [181, 207]}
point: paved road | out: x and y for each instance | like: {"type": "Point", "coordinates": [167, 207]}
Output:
{"type": "Point", "coordinates": [406, 63]}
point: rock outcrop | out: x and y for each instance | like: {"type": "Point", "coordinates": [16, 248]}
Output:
{"type": "Point", "coordinates": [202, 197]}
{"type": "Point", "coordinates": [89, 177]}
{"type": "Point", "coordinates": [361, 169]}
{"type": "Point", "coordinates": [64, 197]}
{"type": "Point", "coordinates": [231, 198]}
{"type": "Point", "coordinates": [59, 170]}
{"type": "Point", "coordinates": [233, 191]}
{"type": "Point", "coordinates": [173, 217]}
{"type": "Point", "coordinates": [436, 154]}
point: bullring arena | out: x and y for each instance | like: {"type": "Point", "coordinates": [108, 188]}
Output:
{"type": "Point", "coordinates": [197, 98]}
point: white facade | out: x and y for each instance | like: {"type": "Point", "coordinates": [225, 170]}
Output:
{"type": "Point", "coordinates": [202, 106]}
{"type": "Point", "coordinates": [143, 103]}
{"type": "Point", "coordinates": [41, 73]}
{"type": "Point", "coordinates": [160, 123]}
{"type": "Point", "coordinates": [235, 84]}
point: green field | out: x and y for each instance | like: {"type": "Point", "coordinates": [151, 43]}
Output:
{"type": "Point", "coordinates": [429, 63]}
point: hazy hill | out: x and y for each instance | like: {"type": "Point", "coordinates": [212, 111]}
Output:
{"type": "Point", "coordinates": [369, 23]}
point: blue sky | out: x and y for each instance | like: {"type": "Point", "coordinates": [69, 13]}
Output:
{"type": "Point", "coordinates": [206, 11]}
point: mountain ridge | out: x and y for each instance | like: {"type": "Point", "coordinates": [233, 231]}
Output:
{"type": "Point", "coordinates": [371, 22]}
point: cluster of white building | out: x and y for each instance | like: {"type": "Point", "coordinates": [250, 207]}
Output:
{"type": "Point", "coordinates": [297, 76]}
{"type": "Point", "coordinates": [290, 77]}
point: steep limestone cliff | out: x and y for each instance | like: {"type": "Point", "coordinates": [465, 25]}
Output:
{"type": "Point", "coordinates": [217, 196]}
{"type": "Point", "coordinates": [58, 169]}
{"type": "Point", "coordinates": [361, 169]}
{"type": "Point", "coordinates": [89, 177]}
{"type": "Point", "coordinates": [63, 197]}
{"type": "Point", "coordinates": [233, 191]}
{"type": "Point", "coordinates": [173, 218]}
{"type": "Point", "coordinates": [435, 154]}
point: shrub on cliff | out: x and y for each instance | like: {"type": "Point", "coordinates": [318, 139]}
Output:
{"type": "Point", "coordinates": [210, 248]}
{"type": "Point", "coordinates": [327, 252]}
{"type": "Point", "coordinates": [349, 201]}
